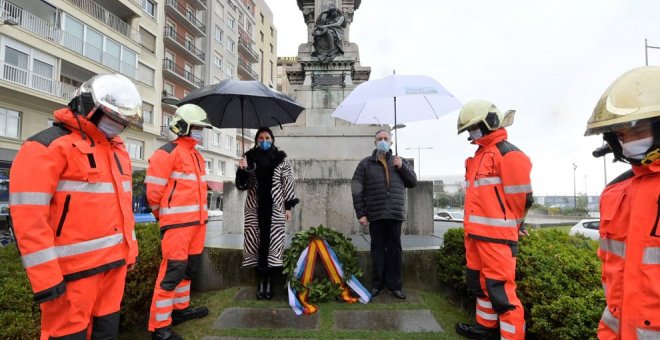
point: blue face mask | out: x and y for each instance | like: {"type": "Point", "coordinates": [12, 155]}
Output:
{"type": "Point", "coordinates": [265, 144]}
{"type": "Point", "coordinates": [383, 146]}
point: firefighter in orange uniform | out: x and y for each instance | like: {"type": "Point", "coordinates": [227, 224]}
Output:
{"type": "Point", "coordinates": [628, 116]}
{"type": "Point", "coordinates": [176, 191]}
{"type": "Point", "coordinates": [73, 221]}
{"type": "Point", "coordinates": [497, 197]}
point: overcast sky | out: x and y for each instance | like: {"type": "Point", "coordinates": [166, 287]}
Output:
{"type": "Point", "coordinates": [549, 60]}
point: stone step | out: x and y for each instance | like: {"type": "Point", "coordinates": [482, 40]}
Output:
{"type": "Point", "coordinates": [386, 320]}
{"type": "Point", "coordinates": [271, 318]}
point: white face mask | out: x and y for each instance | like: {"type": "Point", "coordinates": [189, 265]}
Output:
{"type": "Point", "coordinates": [196, 134]}
{"type": "Point", "coordinates": [475, 134]}
{"type": "Point", "coordinates": [109, 127]}
{"type": "Point", "coordinates": [636, 149]}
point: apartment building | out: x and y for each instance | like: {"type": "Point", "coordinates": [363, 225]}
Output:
{"type": "Point", "coordinates": [49, 47]}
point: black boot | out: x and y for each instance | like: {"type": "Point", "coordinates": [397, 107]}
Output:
{"type": "Point", "coordinates": [165, 333]}
{"type": "Point", "coordinates": [268, 293]}
{"type": "Point", "coordinates": [261, 289]}
{"type": "Point", "coordinates": [179, 316]}
{"type": "Point", "coordinates": [477, 331]}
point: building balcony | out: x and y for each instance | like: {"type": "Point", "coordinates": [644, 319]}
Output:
{"type": "Point", "coordinates": [245, 71]}
{"type": "Point", "coordinates": [108, 18]}
{"type": "Point", "coordinates": [198, 4]}
{"type": "Point", "coordinates": [30, 80]}
{"type": "Point", "coordinates": [48, 32]}
{"type": "Point", "coordinates": [183, 45]}
{"type": "Point", "coordinates": [175, 70]}
{"type": "Point", "coordinates": [246, 50]}
{"type": "Point", "coordinates": [187, 18]}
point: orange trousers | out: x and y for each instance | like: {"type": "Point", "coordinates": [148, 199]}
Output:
{"type": "Point", "coordinates": [491, 273]}
{"type": "Point", "coordinates": [182, 254]}
{"type": "Point", "coordinates": [89, 309]}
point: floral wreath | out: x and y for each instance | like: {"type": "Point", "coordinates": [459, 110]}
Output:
{"type": "Point", "coordinates": [321, 290]}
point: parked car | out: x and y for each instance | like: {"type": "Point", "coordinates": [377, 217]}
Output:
{"type": "Point", "coordinates": [587, 228]}
{"type": "Point", "coordinates": [144, 217]}
{"type": "Point", "coordinates": [451, 216]}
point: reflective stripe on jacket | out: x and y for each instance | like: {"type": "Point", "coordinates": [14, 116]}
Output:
{"type": "Point", "coordinates": [498, 189]}
{"type": "Point", "coordinates": [176, 184]}
{"type": "Point", "coordinates": [71, 204]}
{"type": "Point", "coordinates": [630, 254]}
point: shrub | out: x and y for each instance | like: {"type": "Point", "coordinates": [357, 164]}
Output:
{"type": "Point", "coordinates": [558, 278]}
{"type": "Point", "coordinates": [141, 281]}
{"type": "Point", "coordinates": [20, 316]}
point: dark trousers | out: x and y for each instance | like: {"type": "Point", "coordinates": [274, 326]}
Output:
{"type": "Point", "coordinates": [386, 253]}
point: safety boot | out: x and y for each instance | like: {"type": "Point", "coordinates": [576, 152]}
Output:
{"type": "Point", "coordinates": [181, 315]}
{"type": "Point", "coordinates": [477, 331]}
{"type": "Point", "coordinates": [165, 333]}
{"type": "Point", "coordinates": [261, 289]}
{"type": "Point", "coordinates": [268, 291]}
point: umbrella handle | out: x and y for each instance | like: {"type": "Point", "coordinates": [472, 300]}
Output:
{"type": "Point", "coordinates": [251, 169]}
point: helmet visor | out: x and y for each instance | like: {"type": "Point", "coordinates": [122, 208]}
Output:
{"type": "Point", "coordinates": [117, 96]}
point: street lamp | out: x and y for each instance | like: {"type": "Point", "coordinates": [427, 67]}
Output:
{"type": "Point", "coordinates": [419, 157]}
{"type": "Point", "coordinates": [169, 99]}
{"type": "Point", "coordinates": [646, 50]}
{"type": "Point", "coordinates": [574, 187]}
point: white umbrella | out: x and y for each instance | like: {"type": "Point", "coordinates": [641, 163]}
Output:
{"type": "Point", "coordinates": [396, 99]}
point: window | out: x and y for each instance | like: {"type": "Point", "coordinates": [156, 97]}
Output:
{"type": "Point", "coordinates": [272, 31]}
{"type": "Point", "coordinates": [271, 70]}
{"type": "Point", "coordinates": [16, 66]}
{"type": "Point", "coordinates": [231, 22]}
{"type": "Point", "coordinates": [77, 31]}
{"type": "Point", "coordinates": [272, 49]}
{"type": "Point", "coordinates": [94, 45]}
{"type": "Point", "coordinates": [230, 70]}
{"type": "Point", "coordinates": [261, 36]}
{"type": "Point", "coordinates": [128, 62]}
{"type": "Point", "coordinates": [167, 119]}
{"type": "Point", "coordinates": [147, 112]}
{"type": "Point", "coordinates": [230, 142]}
{"type": "Point", "coordinates": [188, 72]}
{"type": "Point", "coordinates": [10, 121]}
{"type": "Point", "coordinates": [217, 61]}
{"type": "Point", "coordinates": [190, 14]}
{"type": "Point", "coordinates": [209, 165]}
{"type": "Point", "coordinates": [215, 140]}
{"type": "Point", "coordinates": [42, 76]}
{"type": "Point", "coordinates": [148, 40]}
{"type": "Point", "coordinates": [135, 148]}
{"type": "Point", "coordinates": [218, 201]}
{"type": "Point", "coordinates": [217, 34]}
{"type": "Point", "coordinates": [219, 9]}
{"type": "Point", "coordinates": [146, 74]}
{"type": "Point", "coordinates": [149, 7]}
{"type": "Point", "coordinates": [168, 87]}
{"type": "Point", "coordinates": [231, 46]}
{"type": "Point", "coordinates": [262, 17]}
{"type": "Point", "coordinates": [222, 166]}
{"type": "Point", "coordinates": [190, 42]}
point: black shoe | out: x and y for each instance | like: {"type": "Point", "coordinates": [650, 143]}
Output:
{"type": "Point", "coordinates": [399, 294]}
{"type": "Point", "coordinates": [181, 315]}
{"type": "Point", "coordinates": [165, 333]}
{"type": "Point", "coordinates": [374, 292]}
{"type": "Point", "coordinates": [261, 289]}
{"type": "Point", "coordinates": [477, 331]}
{"type": "Point", "coordinates": [268, 292]}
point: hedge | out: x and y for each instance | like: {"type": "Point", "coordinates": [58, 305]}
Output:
{"type": "Point", "coordinates": [558, 278]}
{"type": "Point", "coordinates": [20, 316]}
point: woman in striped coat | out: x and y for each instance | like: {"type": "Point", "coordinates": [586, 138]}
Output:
{"type": "Point", "coordinates": [269, 182]}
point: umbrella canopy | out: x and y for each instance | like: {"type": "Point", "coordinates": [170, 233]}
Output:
{"type": "Point", "coordinates": [417, 98]}
{"type": "Point", "coordinates": [396, 99]}
{"type": "Point", "coordinates": [244, 104]}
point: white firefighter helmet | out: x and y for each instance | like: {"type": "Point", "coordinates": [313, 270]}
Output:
{"type": "Point", "coordinates": [186, 116]}
{"type": "Point", "coordinates": [482, 111]}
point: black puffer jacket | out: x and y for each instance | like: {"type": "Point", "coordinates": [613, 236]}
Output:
{"type": "Point", "coordinates": [371, 195]}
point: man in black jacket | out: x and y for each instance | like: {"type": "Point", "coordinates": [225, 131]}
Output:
{"type": "Point", "coordinates": [379, 190]}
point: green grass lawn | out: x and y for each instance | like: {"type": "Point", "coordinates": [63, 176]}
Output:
{"type": "Point", "coordinates": [444, 311]}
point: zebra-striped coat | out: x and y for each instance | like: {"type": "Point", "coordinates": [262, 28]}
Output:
{"type": "Point", "coordinates": [284, 198]}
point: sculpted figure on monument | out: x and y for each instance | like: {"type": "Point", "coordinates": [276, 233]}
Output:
{"type": "Point", "coordinates": [329, 34]}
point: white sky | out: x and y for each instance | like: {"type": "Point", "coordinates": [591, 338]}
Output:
{"type": "Point", "coordinates": [549, 60]}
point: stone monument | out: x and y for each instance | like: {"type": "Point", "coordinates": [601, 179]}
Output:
{"type": "Point", "coordinates": [325, 151]}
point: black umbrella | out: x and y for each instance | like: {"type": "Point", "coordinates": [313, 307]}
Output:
{"type": "Point", "coordinates": [244, 104]}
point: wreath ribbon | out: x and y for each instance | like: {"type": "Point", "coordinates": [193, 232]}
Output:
{"type": "Point", "coordinates": [305, 269]}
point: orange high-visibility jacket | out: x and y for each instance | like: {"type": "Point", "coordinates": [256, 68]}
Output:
{"type": "Point", "coordinates": [70, 197]}
{"type": "Point", "coordinates": [176, 185]}
{"type": "Point", "coordinates": [498, 189]}
{"type": "Point", "coordinates": [630, 254]}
